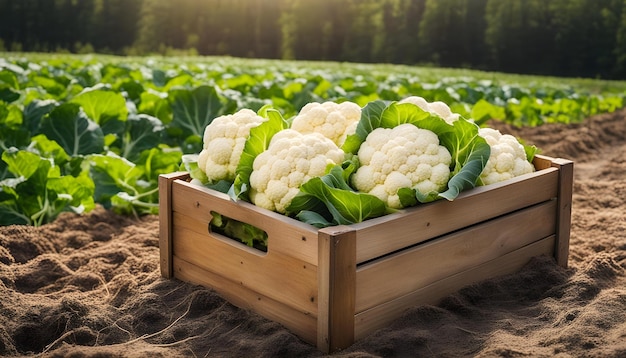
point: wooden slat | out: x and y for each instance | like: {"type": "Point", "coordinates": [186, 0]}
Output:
{"type": "Point", "coordinates": [275, 275]}
{"type": "Point", "coordinates": [336, 291]}
{"type": "Point", "coordinates": [285, 235]}
{"type": "Point", "coordinates": [382, 315]}
{"type": "Point", "coordinates": [165, 221]}
{"type": "Point", "coordinates": [302, 324]}
{"type": "Point", "coordinates": [541, 162]}
{"type": "Point", "coordinates": [201, 230]}
{"type": "Point", "coordinates": [564, 212]}
{"type": "Point", "coordinates": [427, 221]}
{"type": "Point", "coordinates": [406, 271]}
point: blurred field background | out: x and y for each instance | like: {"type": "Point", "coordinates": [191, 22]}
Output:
{"type": "Point", "coordinates": [573, 38]}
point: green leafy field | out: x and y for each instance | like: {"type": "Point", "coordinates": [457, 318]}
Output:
{"type": "Point", "coordinates": [76, 131]}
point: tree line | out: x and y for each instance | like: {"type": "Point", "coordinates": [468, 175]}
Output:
{"type": "Point", "coordinates": [582, 38]}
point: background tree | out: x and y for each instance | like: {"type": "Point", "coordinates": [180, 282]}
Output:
{"type": "Point", "coordinates": [559, 37]}
{"type": "Point", "coordinates": [619, 52]}
{"type": "Point", "coordinates": [452, 32]}
{"type": "Point", "coordinates": [152, 26]}
{"type": "Point", "coordinates": [520, 35]}
{"type": "Point", "coordinates": [585, 36]}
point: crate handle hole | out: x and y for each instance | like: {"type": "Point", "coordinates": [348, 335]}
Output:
{"type": "Point", "coordinates": [238, 231]}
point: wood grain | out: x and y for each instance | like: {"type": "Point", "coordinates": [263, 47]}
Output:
{"type": "Point", "coordinates": [303, 324]}
{"type": "Point", "coordinates": [396, 275]}
{"type": "Point", "coordinates": [382, 315]}
{"type": "Point", "coordinates": [564, 216]}
{"type": "Point", "coordinates": [424, 222]}
{"type": "Point", "coordinates": [165, 221]}
{"type": "Point", "coordinates": [337, 276]}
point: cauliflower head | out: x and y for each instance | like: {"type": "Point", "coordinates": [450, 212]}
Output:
{"type": "Point", "coordinates": [223, 142]}
{"type": "Point", "coordinates": [401, 157]}
{"type": "Point", "coordinates": [507, 159]}
{"type": "Point", "coordinates": [439, 108]}
{"type": "Point", "coordinates": [291, 159]}
{"type": "Point", "coordinates": [334, 120]}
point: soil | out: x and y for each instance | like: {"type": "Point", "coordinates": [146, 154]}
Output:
{"type": "Point", "coordinates": [90, 286]}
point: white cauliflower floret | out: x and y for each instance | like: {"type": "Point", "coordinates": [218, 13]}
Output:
{"type": "Point", "coordinates": [437, 107]}
{"type": "Point", "coordinates": [291, 159]}
{"type": "Point", "coordinates": [507, 159]}
{"type": "Point", "coordinates": [402, 157]}
{"type": "Point", "coordinates": [223, 142]}
{"type": "Point", "coordinates": [334, 120]}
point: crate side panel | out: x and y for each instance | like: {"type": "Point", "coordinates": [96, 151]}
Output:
{"type": "Point", "coordinates": [408, 270]}
{"type": "Point", "coordinates": [384, 314]}
{"type": "Point", "coordinates": [302, 324]}
{"type": "Point", "coordinates": [280, 277]}
{"type": "Point", "coordinates": [393, 232]}
{"type": "Point", "coordinates": [285, 235]}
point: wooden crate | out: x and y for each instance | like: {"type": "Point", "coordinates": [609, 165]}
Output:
{"type": "Point", "coordinates": [336, 285]}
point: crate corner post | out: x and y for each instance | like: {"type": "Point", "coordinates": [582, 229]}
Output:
{"type": "Point", "coordinates": [165, 221]}
{"type": "Point", "coordinates": [336, 288]}
{"type": "Point", "coordinates": [564, 207]}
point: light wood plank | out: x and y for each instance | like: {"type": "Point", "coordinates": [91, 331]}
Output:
{"type": "Point", "coordinates": [303, 324]}
{"type": "Point", "coordinates": [280, 277]}
{"type": "Point", "coordinates": [564, 216]}
{"type": "Point", "coordinates": [336, 279]}
{"type": "Point", "coordinates": [165, 221]}
{"type": "Point", "coordinates": [382, 315]}
{"type": "Point", "coordinates": [424, 222]}
{"type": "Point", "coordinates": [541, 162]}
{"type": "Point", "coordinates": [406, 271]}
{"type": "Point", "coordinates": [285, 235]}
{"type": "Point", "coordinates": [201, 228]}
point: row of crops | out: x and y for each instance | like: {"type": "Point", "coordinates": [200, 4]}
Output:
{"type": "Point", "coordinates": [80, 131]}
